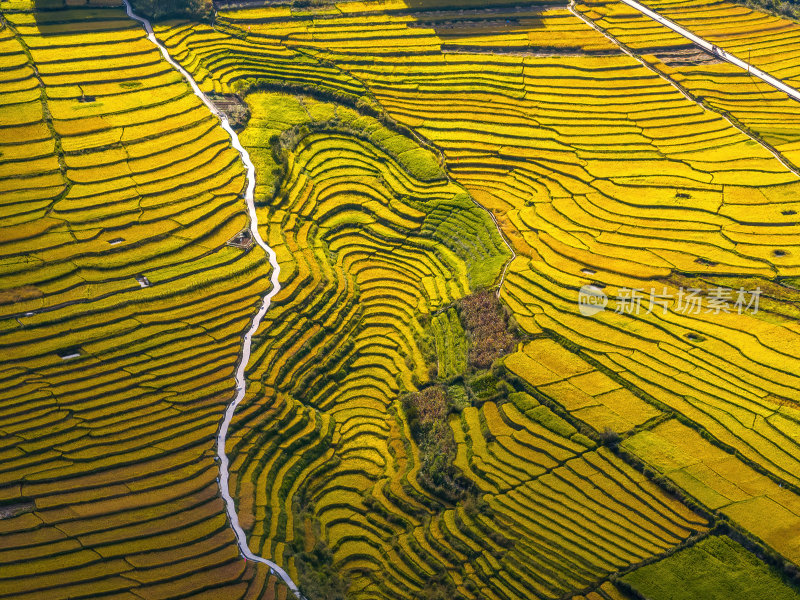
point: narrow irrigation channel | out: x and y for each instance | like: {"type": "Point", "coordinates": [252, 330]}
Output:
{"type": "Point", "coordinates": [241, 383]}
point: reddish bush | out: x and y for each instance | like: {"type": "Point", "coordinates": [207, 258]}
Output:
{"type": "Point", "coordinates": [486, 325]}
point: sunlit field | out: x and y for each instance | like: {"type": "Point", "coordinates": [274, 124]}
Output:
{"type": "Point", "coordinates": [533, 326]}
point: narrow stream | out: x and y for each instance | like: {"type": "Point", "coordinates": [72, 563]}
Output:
{"type": "Point", "coordinates": [241, 383]}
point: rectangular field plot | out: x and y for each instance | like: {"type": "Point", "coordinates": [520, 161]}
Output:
{"type": "Point", "coordinates": [722, 481]}
{"type": "Point", "coordinates": [715, 569]}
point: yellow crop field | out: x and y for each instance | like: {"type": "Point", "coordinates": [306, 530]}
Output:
{"type": "Point", "coordinates": [97, 406]}
{"type": "Point", "coordinates": [491, 302]}
{"type": "Point", "coordinates": [749, 34]}
{"type": "Point", "coordinates": [762, 40]}
{"type": "Point", "coordinates": [722, 481]}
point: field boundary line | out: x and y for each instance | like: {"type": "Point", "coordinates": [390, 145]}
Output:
{"type": "Point", "coordinates": [247, 340]}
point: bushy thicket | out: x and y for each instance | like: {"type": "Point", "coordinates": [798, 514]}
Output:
{"type": "Point", "coordinates": [491, 335]}
{"type": "Point", "coordinates": [487, 326]}
{"type": "Point", "coordinates": [199, 10]}
{"type": "Point", "coordinates": [318, 578]}
{"type": "Point", "coordinates": [427, 412]}
{"type": "Point", "coordinates": [785, 8]}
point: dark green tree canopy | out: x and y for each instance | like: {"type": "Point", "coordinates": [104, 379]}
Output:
{"type": "Point", "coordinates": [161, 9]}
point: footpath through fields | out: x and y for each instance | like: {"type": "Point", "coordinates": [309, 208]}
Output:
{"type": "Point", "coordinates": [716, 50]}
{"type": "Point", "coordinates": [241, 385]}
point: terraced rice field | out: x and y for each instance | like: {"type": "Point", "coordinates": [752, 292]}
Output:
{"type": "Point", "coordinates": [714, 568]}
{"type": "Point", "coordinates": [673, 214]}
{"type": "Point", "coordinates": [114, 173]}
{"type": "Point", "coordinates": [605, 592]}
{"type": "Point", "coordinates": [764, 111]}
{"type": "Point", "coordinates": [721, 481]}
{"type": "Point", "coordinates": [405, 159]}
{"type": "Point", "coordinates": [537, 169]}
{"type": "Point", "coordinates": [587, 393]}
{"type": "Point", "coordinates": [768, 42]}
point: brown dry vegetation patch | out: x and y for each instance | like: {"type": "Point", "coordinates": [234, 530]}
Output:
{"type": "Point", "coordinates": [431, 406]}
{"type": "Point", "coordinates": [487, 326]}
{"type": "Point", "coordinates": [427, 412]}
{"type": "Point", "coordinates": [20, 294]}
{"type": "Point", "coordinates": [693, 55]}
{"type": "Point", "coordinates": [233, 107]}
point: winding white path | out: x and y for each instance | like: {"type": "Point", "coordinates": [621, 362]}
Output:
{"type": "Point", "coordinates": [241, 384]}
{"type": "Point", "coordinates": [715, 50]}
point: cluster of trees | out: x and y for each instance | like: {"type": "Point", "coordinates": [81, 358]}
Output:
{"type": "Point", "coordinates": [199, 10]}
{"type": "Point", "coordinates": [318, 578]}
{"type": "Point", "coordinates": [491, 335]}
{"type": "Point", "coordinates": [427, 412]}
{"type": "Point", "coordinates": [785, 8]}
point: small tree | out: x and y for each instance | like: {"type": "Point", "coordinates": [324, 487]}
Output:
{"type": "Point", "coordinates": [609, 437]}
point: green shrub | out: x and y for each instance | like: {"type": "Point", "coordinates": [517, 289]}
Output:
{"type": "Point", "coordinates": [318, 578]}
